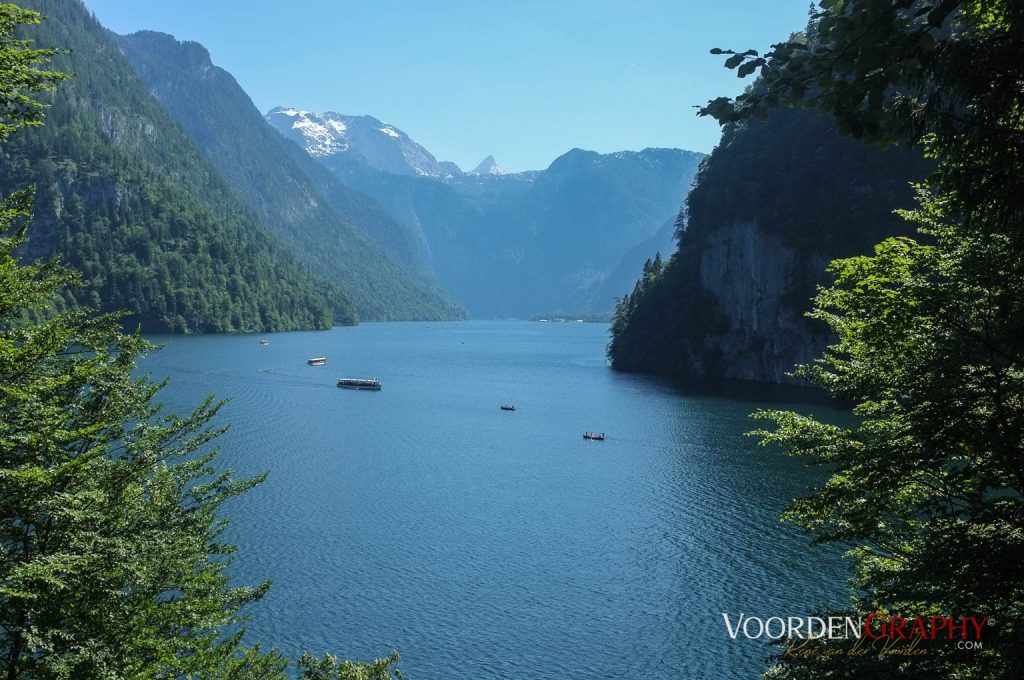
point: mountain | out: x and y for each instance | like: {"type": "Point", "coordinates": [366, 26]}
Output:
{"type": "Point", "coordinates": [125, 197]}
{"type": "Point", "coordinates": [329, 227]}
{"type": "Point", "coordinates": [489, 166]}
{"type": "Point", "coordinates": [622, 279]}
{"type": "Point", "coordinates": [542, 242]}
{"type": "Point", "coordinates": [332, 136]}
{"type": "Point", "coordinates": [521, 244]}
{"type": "Point", "coordinates": [774, 203]}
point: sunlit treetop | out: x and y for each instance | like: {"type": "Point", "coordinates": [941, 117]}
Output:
{"type": "Point", "coordinates": [20, 77]}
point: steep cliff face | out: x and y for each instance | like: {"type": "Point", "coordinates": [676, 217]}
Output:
{"type": "Point", "coordinates": [753, 275]}
{"type": "Point", "coordinates": [772, 206]}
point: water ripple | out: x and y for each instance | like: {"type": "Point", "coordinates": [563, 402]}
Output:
{"type": "Point", "coordinates": [490, 544]}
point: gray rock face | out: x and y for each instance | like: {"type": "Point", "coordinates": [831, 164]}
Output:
{"type": "Point", "coordinates": [750, 274]}
{"type": "Point", "coordinates": [489, 166]}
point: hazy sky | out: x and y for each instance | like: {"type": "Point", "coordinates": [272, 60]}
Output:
{"type": "Point", "coordinates": [524, 80]}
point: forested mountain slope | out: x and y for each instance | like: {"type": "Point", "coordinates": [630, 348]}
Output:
{"type": "Point", "coordinates": [125, 197]}
{"type": "Point", "coordinates": [326, 225]}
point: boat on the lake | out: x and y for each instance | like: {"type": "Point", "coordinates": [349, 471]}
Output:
{"type": "Point", "coordinates": [359, 383]}
{"type": "Point", "coordinates": [264, 343]}
{"type": "Point", "coordinates": [594, 436]}
{"type": "Point", "coordinates": [508, 407]}
{"type": "Point", "coordinates": [317, 361]}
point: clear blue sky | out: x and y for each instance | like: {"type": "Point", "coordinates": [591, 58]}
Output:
{"type": "Point", "coordinates": [525, 80]}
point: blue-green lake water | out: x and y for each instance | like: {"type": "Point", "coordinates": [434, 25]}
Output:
{"type": "Point", "coordinates": [489, 544]}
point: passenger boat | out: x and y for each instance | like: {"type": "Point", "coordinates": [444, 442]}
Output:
{"type": "Point", "coordinates": [317, 361]}
{"type": "Point", "coordinates": [508, 407]}
{"type": "Point", "coordinates": [594, 436]}
{"type": "Point", "coordinates": [359, 383]}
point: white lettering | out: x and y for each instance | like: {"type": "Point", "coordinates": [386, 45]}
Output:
{"type": "Point", "coordinates": [854, 627]}
{"type": "Point", "coordinates": [768, 630]}
{"type": "Point", "coordinates": [795, 631]}
{"type": "Point", "coordinates": [760, 627]}
{"type": "Point", "coordinates": [821, 627]}
{"type": "Point", "coordinates": [793, 627]}
{"type": "Point", "coordinates": [834, 623]}
{"type": "Point", "coordinates": [733, 632]}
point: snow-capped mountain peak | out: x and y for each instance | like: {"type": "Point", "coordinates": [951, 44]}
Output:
{"type": "Point", "coordinates": [489, 166]}
{"type": "Point", "coordinates": [320, 135]}
{"type": "Point", "coordinates": [379, 145]}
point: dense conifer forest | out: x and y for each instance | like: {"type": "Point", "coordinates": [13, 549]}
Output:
{"type": "Point", "coordinates": [124, 197]}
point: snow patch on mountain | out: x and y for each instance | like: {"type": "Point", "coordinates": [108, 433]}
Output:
{"type": "Point", "coordinates": [321, 141]}
{"type": "Point", "coordinates": [379, 145]}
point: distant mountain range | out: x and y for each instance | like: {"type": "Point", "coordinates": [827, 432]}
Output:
{"type": "Point", "coordinates": [509, 244]}
{"type": "Point", "coordinates": [176, 198]}
{"type": "Point", "coordinates": [179, 202]}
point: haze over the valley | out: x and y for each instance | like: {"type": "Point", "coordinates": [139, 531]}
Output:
{"type": "Point", "coordinates": [522, 81]}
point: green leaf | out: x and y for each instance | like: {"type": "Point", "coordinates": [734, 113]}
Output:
{"type": "Point", "coordinates": [734, 61]}
{"type": "Point", "coordinates": [746, 69]}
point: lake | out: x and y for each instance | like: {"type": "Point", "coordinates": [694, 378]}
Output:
{"type": "Point", "coordinates": [482, 543]}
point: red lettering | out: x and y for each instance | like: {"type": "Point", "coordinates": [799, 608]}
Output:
{"type": "Point", "coordinates": [940, 622]}
{"type": "Point", "coordinates": [977, 626]}
{"type": "Point", "coordinates": [867, 627]}
{"type": "Point", "coordinates": [917, 628]}
{"type": "Point", "coordinates": [962, 626]}
{"type": "Point", "coordinates": [893, 628]}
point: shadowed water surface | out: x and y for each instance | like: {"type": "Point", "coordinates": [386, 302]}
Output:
{"type": "Point", "coordinates": [490, 544]}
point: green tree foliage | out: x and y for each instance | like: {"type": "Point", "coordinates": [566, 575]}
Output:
{"type": "Point", "coordinates": [112, 559]}
{"type": "Point", "coordinates": [20, 77]}
{"type": "Point", "coordinates": [125, 198]}
{"type": "Point", "coordinates": [329, 668]}
{"type": "Point", "coordinates": [928, 486]}
{"type": "Point", "coordinates": [111, 563]}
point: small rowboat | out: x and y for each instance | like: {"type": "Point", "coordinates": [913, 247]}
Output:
{"type": "Point", "coordinates": [593, 436]}
{"type": "Point", "coordinates": [508, 407]}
